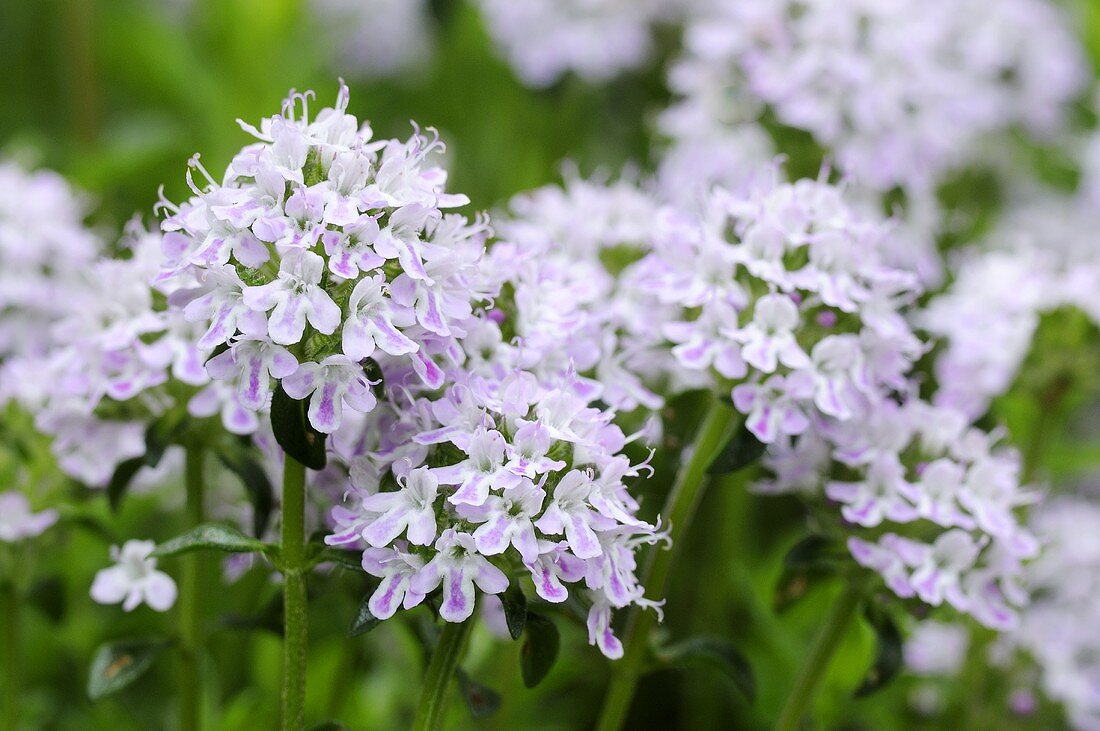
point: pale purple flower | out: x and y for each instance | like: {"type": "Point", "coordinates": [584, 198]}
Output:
{"type": "Point", "coordinates": [459, 567]}
{"type": "Point", "coordinates": [334, 382]}
{"type": "Point", "coordinates": [768, 339]}
{"type": "Point", "coordinates": [409, 510]}
{"type": "Point", "coordinates": [252, 363]}
{"type": "Point", "coordinates": [296, 296]}
{"type": "Point", "coordinates": [569, 512]}
{"type": "Point", "coordinates": [396, 569]}
{"type": "Point", "coordinates": [370, 322]}
{"type": "Point", "coordinates": [775, 406]}
{"type": "Point", "coordinates": [506, 519]}
{"type": "Point", "coordinates": [18, 522]}
{"type": "Point", "coordinates": [134, 579]}
{"type": "Point", "coordinates": [483, 471]}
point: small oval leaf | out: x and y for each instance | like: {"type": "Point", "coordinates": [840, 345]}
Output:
{"type": "Point", "coordinates": [742, 450]}
{"type": "Point", "coordinates": [213, 536]}
{"type": "Point", "coordinates": [515, 610]}
{"type": "Point", "coordinates": [482, 700]}
{"type": "Point", "coordinates": [889, 652]}
{"type": "Point", "coordinates": [720, 654]}
{"type": "Point", "coordinates": [256, 483]}
{"type": "Point", "coordinates": [364, 621]}
{"type": "Point", "coordinates": [540, 649]}
{"type": "Point", "coordinates": [293, 431]}
{"type": "Point", "coordinates": [118, 664]}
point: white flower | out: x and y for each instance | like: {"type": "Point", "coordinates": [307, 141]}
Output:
{"type": "Point", "coordinates": [134, 579]}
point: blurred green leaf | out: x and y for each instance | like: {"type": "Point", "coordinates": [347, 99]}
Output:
{"type": "Point", "coordinates": [720, 654]}
{"type": "Point", "coordinates": [515, 609]}
{"type": "Point", "coordinates": [482, 700]}
{"type": "Point", "coordinates": [213, 536]}
{"type": "Point", "coordinates": [743, 449]}
{"type": "Point", "coordinates": [540, 649]}
{"type": "Point", "coordinates": [888, 655]}
{"type": "Point", "coordinates": [118, 664]}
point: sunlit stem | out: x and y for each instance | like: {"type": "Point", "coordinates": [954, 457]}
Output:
{"type": "Point", "coordinates": [714, 434]}
{"type": "Point", "coordinates": [817, 662]}
{"type": "Point", "coordinates": [295, 623]}
{"type": "Point", "coordinates": [441, 672]}
{"type": "Point", "coordinates": [190, 601]}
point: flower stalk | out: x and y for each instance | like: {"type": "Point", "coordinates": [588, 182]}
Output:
{"type": "Point", "coordinates": [441, 671]}
{"type": "Point", "coordinates": [714, 434]}
{"type": "Point", "coordinates": [295, 622]}
{"type": "Point", "coordinates": [190, 605]}
{"type": "Point", "coordinates": [9, 654]}
{"type": "Point", "coordinates": [822, 652]}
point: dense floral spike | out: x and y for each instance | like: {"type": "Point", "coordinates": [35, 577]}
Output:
{"type": "Point", "coordinates": [43, 247]}
{"type": "Point", "coordinates": [899, 93]}
{"type": "Point", "coordinates": [483, 458]}
{"type": "Point", "coordinates": [596, 39]}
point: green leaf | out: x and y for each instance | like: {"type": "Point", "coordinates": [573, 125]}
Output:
{"type": "Point", "coordinates": [482, 700]}
{"type": "Point", "coordinates": [214, 536]}
{"type": "Point", "coordinates": [540, 649]}
{"type": "Point", "coordinates": [720, 654]}
{"type": "Point", "coordinates": [48, 596]}
{"type": "Point", "coordinates": [120, 480]}
{"type": "Point", "coordinates": [813, 558]}
{"type": "Point", "coordinates": [364, 621]}
{"type": "Point", "coordinates": [515, 609]}
{"type": "Point", "coordinates": [118, 664]}
{"type": "Point", "coordinates": [742, 450]}
{"type": "Point", "coordinates": [294, 433]}
{"type": "Point", "coordinates": [256, 483]}
{"type": "Point", "coordinates": [158, 437]}
{"type": "Point", "coordinates": [888, 656]}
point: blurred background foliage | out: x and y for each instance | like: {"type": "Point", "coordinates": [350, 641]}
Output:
{"type": "Point", "coordinates": [118, 94]}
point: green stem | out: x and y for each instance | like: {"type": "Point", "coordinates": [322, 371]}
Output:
{"type": "Point", "coordinates": [714, 433]}
{"type": "Point", "coordinates": [295, 623]}
{"type": "Point", "coordinates": [190, 602]}
{"type": "Point", "coordinates": [824, 647]}
{"type": "Point", "coordinates": [441, 671]}
{"type": "Point", "coordinates": [9, 654]}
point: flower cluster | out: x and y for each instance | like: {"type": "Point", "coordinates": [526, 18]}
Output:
{"type": "Point", "coordinates": [1057, 631]}
{"type": "Point", "coordinates": [596, 39]}
{"type": "Point", "coordinates": [782, 292]}
{"type": "Point", "coordinates": [481, 454]}
{"type": "Point", "coordinates": [43, 247]}
{"type": "Point", "coordinates": [952, 492]}
{"type": "Point", "coordinates": [322, 247]}
{"type": "Point", "coordinates": [901, 93]}
{"type": "Point", "coordinates": [116, 360]}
